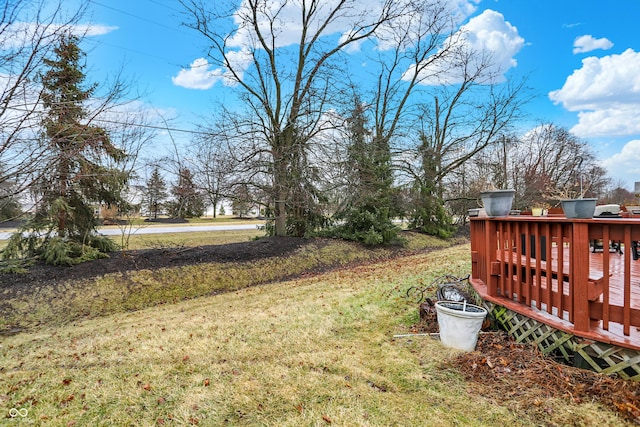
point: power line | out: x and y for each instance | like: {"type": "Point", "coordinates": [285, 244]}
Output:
{"type": "Point", "coordinates": [159, 24]}
{"type": "Point", "coordinates": [137, 52]}
{"type": "Point", "coordinates": [133, 15]}
{"type": "Point", "coordinates": [140, 125]}
{"type": "Point", "coordinates": [165, 6]}
{"type": "Point", "coordinates": [189, 131]}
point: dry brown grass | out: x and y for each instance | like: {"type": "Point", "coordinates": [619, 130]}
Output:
{"type": "Point", "coordinates": [316, 351]}
{"type": "Point", "coordinates": [59, 303]}
{"type": "Point", "coordinates": [187, 238]}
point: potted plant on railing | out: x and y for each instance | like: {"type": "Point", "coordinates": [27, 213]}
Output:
{"type": "Point", "coordinates": [540, 209]}
{"type": "Point", "coordinates": [497, 202]}
{"type": "Point", "coordinates": [573, 202]}
{"type": "Point", "coordinates": [579, 208]}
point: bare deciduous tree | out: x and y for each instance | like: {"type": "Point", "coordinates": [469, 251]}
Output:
{"type": "Point", "coordinates": [544, 165]}
{"type": "Point", "coordinates": [461, 123]}
{"type": "Point", "coordinates": [549, 163]}
{"type": "Point", "coordinates": [215, 169]}
{"type": "Point", "coordinates": [423, 45]}
{"type": "Point", "coordinates": [286, 70]}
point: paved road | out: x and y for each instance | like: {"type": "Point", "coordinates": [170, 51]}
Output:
{"type": "Point", "coordinates": [155, 229]}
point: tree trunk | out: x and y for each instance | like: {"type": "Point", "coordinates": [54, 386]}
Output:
{"type": "Point", "coordinates": [281, 216]}
{"type": "Point", "coordinates": [280, 184]}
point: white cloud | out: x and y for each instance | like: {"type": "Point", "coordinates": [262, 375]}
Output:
{"type": "Point", "coordinates": [606, 92]}
{"type": "Point", "coordinates": [625, 165]}
{"type": "Point", "coordinates": [587, 43]}
{"type": "Point", "coordinates": [487, 36]}
{"type": "Point", "coordinates": [287, 27]}
{"type": "Point", "coordinates": [610, 122]}
{"type": "Point", "coordinates": [91, 30]}
{"type": "Point", "coordinates": [23, 33]}
{"type": "Point", "coordinates": [240, 60]}
{"type": "Point", "coordinates": [200, 76]}
{"type": "Point", "coordinates": [279, 22]}
{"type": "Point", "coordinates": [420, 18]}
{"type": "Point", "coordinates": [489, 32]}
{"type": "Point", "coordinates": [571, 25]}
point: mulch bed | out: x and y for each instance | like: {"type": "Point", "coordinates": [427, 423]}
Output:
{"type": "Point", "coordinates": [512, 371]}
{"type": "Point", "coordinates": [120, 262]}
{"type": "Point", "coordinates": [503, 370]}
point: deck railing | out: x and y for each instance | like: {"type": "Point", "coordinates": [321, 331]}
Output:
{"type": "Point", "coordinates": [553, 266]}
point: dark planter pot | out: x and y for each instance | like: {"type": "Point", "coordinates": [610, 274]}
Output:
{"type": "Point", "coordinates": [497, 202]}
{"type": "Point", "coordinates": [579, 208]}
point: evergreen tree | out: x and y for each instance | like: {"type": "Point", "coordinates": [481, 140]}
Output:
{"type": "Point", "coordinates": [156, 193]}
{"type": "Point", "coordinates": [241, 202]}
{"type": "Point", "coordinates": [429, 214]}
{"type": "Point", "coordinates": [9, 209]}
{"type": "Point", "coordinates": [373, 203]}
{"type": "Point", "coordinates": [77, 178]}
{"type": "Point", "coordinates": [189, 202]}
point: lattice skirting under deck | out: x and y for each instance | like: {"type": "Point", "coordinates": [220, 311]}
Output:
{"type": "Point", "coordinates": [588, 354]}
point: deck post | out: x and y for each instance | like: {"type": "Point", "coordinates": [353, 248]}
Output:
{"type": "Point", "coordinates": [579, 276]}
{"type": "Point", "coordinates": [491, 247]}
{"type": "Point", "coordinates": [476, 238]}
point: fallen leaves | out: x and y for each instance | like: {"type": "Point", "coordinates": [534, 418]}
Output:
{"type": "Point", "coordinates": [377, 387]}
{"type": "Point", "coordinates": [67, 399]}
{"type": "Point", "coordinates": [507, 370]}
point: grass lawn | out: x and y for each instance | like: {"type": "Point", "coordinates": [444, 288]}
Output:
{"type": "Point", "coordinates": [186, 238]}
{"type": "Point", "coordinates": [315, 351]}
{"type": "Point", "coordinates": [130, 236]}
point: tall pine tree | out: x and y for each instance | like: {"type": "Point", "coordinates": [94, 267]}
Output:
{"type": "Point", "coordinates": [77, 178]}
{"type": "Point", "coordinates": [368, 213]}
{"type": "Point", "coordinates": [156, 193]}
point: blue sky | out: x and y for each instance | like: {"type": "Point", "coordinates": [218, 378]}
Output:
{"type": "Point", "coordinates": [582, 58]}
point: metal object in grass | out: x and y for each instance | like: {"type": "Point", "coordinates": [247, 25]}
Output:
{"type": "Point", "coordinates": [444, 288]}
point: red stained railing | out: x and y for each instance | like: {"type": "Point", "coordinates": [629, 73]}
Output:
{"type": "Point", "coordinates": [579, 274]}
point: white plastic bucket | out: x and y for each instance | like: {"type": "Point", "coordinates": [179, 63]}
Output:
{"type": "Point", "coordinates": [460, 324]}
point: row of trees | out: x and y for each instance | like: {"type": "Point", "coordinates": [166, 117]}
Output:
{"type": "Point", "coordinates": [317, 152]}
{"type": "Point", "coordinates": [311, 141]}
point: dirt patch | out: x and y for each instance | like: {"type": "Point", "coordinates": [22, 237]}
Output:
{"type": "Point", "coordinates": [506, 371]}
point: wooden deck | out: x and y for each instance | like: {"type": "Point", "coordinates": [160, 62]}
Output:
{"type": "Point", "coordinates": [545, 268]}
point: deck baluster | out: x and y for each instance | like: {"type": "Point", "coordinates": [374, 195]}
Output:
{"type": "Point", "coordinates": [544, 267]}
